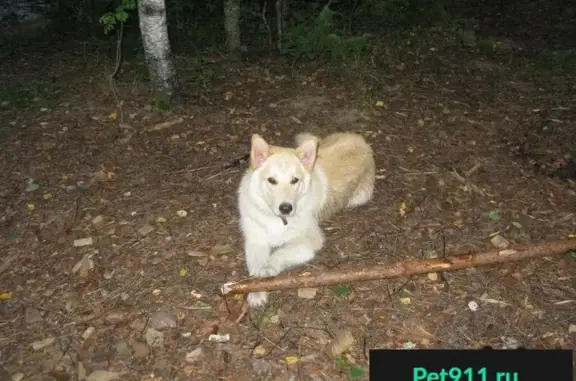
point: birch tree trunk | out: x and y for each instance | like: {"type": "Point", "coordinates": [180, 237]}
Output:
{"type": "Point", "coordinates": [154, 32]}
{"type": "Point", "coordinates": [232, 26]}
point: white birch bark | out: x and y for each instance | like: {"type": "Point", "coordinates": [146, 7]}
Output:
{"type": "Point", "coordinates": [154, 32]}
{"type": "Point", "coordinates": [232, 26]}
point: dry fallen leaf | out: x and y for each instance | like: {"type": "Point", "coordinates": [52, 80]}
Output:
{"type": "Point", "coordinates": [221, 249]}
{"type": "Point", "coordinates": [5, 295]}
{"type": "Point", "coordinates": [194, 355]}
{"type": "Point", "coordinates": [83, 242]}
{"type": "Point", "coordinates": [290, 360]}
{"type": "Point", "coordinates": [406, 300]}
{"type": "Point", "coordinates": [341, 343]}
{"type": "Point", "coordinates": [402, 208]}
{"type": "Point", "coordinates": [307, 293]}
{"type": "Point", "coordinates": [88, 333]}
{"type": "Point", "coordinates": [219, 338]}
{"type": "Point", "coordinates": [259, 350]}
{"type": "Point", "coordinates": [84, 266]}
{"type": "Point", "coordinates": [98, 220]}
{"type": "Point", "coordinates": [103, 375]}
{"type": "Point", "coordinates": [37, 345]}
{"type": "Point", "coordinates": [145, 229]}
{"type": "Point", "coordinates": [500, 242]}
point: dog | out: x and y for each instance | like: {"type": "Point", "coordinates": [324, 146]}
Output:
{"type": "Point", "coordinates": [286, 192]}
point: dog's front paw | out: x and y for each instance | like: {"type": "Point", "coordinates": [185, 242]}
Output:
{"type": "Point", "coordinates": [257, 299]}
{"type": "Point", "coordinates": [266, 271]}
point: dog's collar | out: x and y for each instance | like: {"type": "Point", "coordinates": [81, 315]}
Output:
{"type": "Point", "coordinates": [284, 220]}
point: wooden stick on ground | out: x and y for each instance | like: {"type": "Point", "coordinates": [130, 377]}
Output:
{"type": "Point", "coordinates": [400, 269]}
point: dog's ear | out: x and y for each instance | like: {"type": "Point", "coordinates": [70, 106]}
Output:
{"type": "Point", "coordinates": [307, 152]}
{"type": "Point", "coordinates": [259, 151]}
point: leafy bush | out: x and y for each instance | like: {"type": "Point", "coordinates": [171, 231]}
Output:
{"type": "Point", "coordinates": [321, 36]}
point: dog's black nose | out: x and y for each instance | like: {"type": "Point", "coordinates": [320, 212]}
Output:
{"type": "Point", "coordinates": [285, 208]}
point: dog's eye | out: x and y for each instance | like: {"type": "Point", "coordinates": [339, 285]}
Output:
{"type": "Point", "coordinates": [272, 180]}
{"type": "Point", "coordinates": [294, 180]}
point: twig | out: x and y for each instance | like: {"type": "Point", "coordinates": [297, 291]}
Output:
{"type": "Point", "coordinates": [264, 10]}
{"type": "Point", "coordinates": [119, 37]}
{"type": "Point", "coordinates": [473, 169]}
{"type": "Point", "coordinates": [279, 6]}
{"type": "Point", "coordinates": [400, 269]}
{"type": "Point", "coordinates": [9, 262]}
{"type": "Point", "coordinates": [467, 182]}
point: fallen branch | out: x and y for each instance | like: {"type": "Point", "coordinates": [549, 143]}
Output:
{"type": "Point", "coordinates": [399, 269]}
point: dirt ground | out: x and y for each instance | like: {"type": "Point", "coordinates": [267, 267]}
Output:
{"type": "Point", "coordinates": [118, 231]}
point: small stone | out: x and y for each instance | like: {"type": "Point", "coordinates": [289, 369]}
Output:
{"type": "Point", "coordinates": [32, 315]}
{"type": "Point", "coordinates": [140, 349]}
{"type": "Point", "coordinates": [18, 376]}
{"type": "Point", "coordinates": [156, 292]}
{"type": "Point", "coordinates": [37, 345]}
{"type": "Point", "coordinates": [145, 229]}
{"type": "Point", "coordinates": [473, 306]}
{"type": "Point", "coordinates": [154, 338]}
{"type": "Point", "coordinates": [194, 355]}
{"type": "Point", "coordinates": [433, 276]}
{"type": "Point", "coordinates": [572, 328]}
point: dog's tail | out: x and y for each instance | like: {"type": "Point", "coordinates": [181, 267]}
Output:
{"type": "Point", "coordinates": [304, 136]}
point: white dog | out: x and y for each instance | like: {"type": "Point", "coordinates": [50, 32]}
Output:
{"type": "Point", "coordinates": [286, 192]}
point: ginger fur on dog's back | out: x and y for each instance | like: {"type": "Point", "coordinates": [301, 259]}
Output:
{"type": "Point", "coordinates": [287, 191]}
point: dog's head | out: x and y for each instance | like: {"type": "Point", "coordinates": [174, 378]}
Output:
{"type": "Point", "coordinates": [283, 174]}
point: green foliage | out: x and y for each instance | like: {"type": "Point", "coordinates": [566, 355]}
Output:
{"type": "Point", "coordinates": [110, 20]}
{"type": "Point", "coordinates": [321, 36]}
{"type": "Point", "coordinates": [353, 370]}
{"type": "Point", "coordinates": [160, 101]}
{"type": "Point", "coordinates": [341, 290]}
{"type": "Point", "coordinates": [396, 15]}
{"type": "Point", "coordinates": [22, 97]}
{"type": "Point", "coordinates": [559, 62]}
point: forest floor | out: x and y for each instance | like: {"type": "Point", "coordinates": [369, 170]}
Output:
{"type": "Point", "coordinates": [119, 225]}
